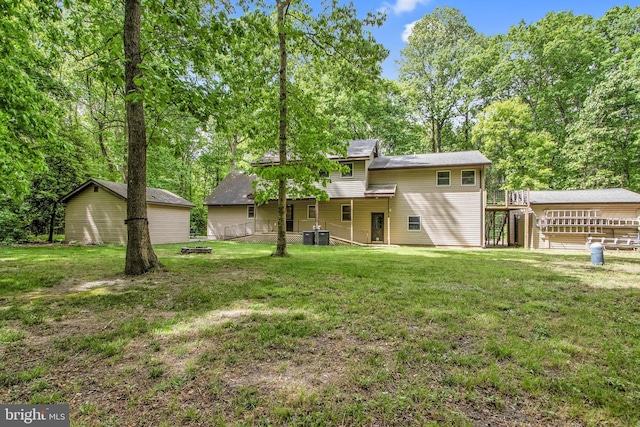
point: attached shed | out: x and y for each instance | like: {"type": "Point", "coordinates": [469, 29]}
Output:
{"type": "Point", "coordinates": [567, 219]}
{"type": "Point", "coordinates": [96, 210]}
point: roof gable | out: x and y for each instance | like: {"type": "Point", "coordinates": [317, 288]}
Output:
{"type": "Point", "coordinates": [154, 195]}
{"type": "Point", "coordinates": [432, 160]}
{"type": "Point", "coordinates": [235, 189]}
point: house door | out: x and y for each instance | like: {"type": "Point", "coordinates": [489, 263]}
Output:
{"type": "Point", "coordinates": [377, 227]}
{"type": "Point", "coordinates": [289, 218]}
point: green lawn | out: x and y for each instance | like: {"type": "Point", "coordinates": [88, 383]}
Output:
{"type": "Point", "coordinates": [327, 336]}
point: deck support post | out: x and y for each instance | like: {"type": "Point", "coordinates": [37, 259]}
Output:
{"type": "Point", "coordinates": [526, 229]}
{"type": "Point", "coordinates": [389, 221]}
{"type": "Point", "coordinates": [351, 222]}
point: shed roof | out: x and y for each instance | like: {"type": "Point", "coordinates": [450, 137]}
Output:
{"type": "Point", "coordinates": [460, 158]}
{"type": "Point", "coordinates": [235, 189]}
{"type": "Point", "coordinates": [154, 195]}
{"type": "Point", "coordinates": [611, 195]}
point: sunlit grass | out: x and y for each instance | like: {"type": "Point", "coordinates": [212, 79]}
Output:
{"type": "Point", "coordinates": [326, 336]}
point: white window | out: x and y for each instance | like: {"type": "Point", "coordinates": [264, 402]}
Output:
{"type": "Point", "coordinates": [414, 223]}
{"type": "Point", "coordinates": [323, 174]}
{"type": "Point", "coordinates": [346, 213]}
{"type": "Point", "coordinates": [347, 173]}
{"type": "Point", "coordinates": [468, 177]}
{"type": "Point", "coordinates": [311, 212]}
{"type": "Point", "coordinates": [443, 178]}
{"type": "Point", "coordinates": [251, 212]}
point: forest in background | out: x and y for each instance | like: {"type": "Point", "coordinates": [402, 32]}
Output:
{"type": "Point", "coordinates": [554, 104]}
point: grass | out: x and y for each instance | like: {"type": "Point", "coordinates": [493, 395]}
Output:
{"type": "Point", "coordinates": [326, 336]}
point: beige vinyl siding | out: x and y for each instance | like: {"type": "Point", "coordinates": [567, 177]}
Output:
{"type": "Point", "coordinates": [168, 224]}
{"type": "Point", "coordinates": [361, 215]}
{"type": "Point", "coordinates": [95, 218]}
{"type": "Point", "coordinates": [331, 218]}
{"type": "Point", "coordinates": [348, 187]}
{"type": "Point", "coordinates": [451, 215]}
{"type": "Point", "coordinates": [229, 220]}
{"type": "Point", "coordinates": [578, 241]}
{"type": "Point", "coordinates": [359, 172]}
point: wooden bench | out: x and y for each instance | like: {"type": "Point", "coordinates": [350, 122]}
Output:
{"type": "Point", "coordinates": [625, 242]}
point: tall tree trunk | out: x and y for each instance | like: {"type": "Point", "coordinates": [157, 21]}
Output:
{"type": "Point", "coordinates": [281, 247]}
{"type": "Point", "coordinates": [52, 221]}
{"type": "Point", "coordinates": [439, 127]}
{"type": "Point", "coordinates": [467, 126]}
{"type": "Point", "coordinates": [433, 135]}
{"type": "Point", "coordinates": [140, 255]}
{"type": "Point", "coordinates": [233, 150]}
{"type": "Point", "coordinates": [103, 147]}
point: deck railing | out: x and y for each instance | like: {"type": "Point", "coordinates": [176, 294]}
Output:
{"type": "Point", "coordinates": [581, 221]}
{"type": "Point", "coordinates": [257, 227]}
{"type": "Point", "coordinates": [508, 198]}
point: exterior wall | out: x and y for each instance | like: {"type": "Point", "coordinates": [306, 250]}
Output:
{"type": "Point", "coordinates": [168, 224]}
{"type": "Point", "coordinates": [95, 218]}
{"type": "Point", "coordinates": [578, 241]}
{"type": "Point", "coordinates": [340, 187]}
{"type": "Point", "coordinates": [450, 216]}
{"type": "Point", "coordinates": [231, 220]}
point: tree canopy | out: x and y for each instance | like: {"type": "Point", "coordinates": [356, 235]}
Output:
{"type": "Point", "coordinates": [553, 103]}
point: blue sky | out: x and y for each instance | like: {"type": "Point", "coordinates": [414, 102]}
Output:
{"type": "Point", "coordinates": [488, 17]}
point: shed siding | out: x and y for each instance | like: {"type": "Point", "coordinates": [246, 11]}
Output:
{"type": "Point", "coordinates": [450, 216]}
{"type": "Point", "coordinates": [98, 217]}
{"type": "Point", "coordinates": [578, 241]}
{"type": "Point", "coordinates": [95, 218]}
{"type": "Point", "coordinates": [168, 224]}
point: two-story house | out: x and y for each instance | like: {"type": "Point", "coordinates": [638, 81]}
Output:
{"type": "Point", "coordinates": [421, 199]}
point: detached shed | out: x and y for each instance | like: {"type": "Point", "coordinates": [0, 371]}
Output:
{"type": "Point", "coordinates": [96, 210]}
{"type": "Point", "coordinates": [567, 219]}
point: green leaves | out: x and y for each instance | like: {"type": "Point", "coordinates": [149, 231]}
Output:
{"type": "Point", "coordinates": [330, 56]}
{"type": "Point", "coordinates": [521, 155]}
{"type": "Point", "coordinates": [432, 71]}
{"type": "Point", "coordinates": [604, 143]}
{"type": "Point", "coordinates": [28, 114]}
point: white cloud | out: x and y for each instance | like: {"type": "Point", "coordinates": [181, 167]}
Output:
{"type": "Point", "coordinates": [406, 5]}
{"type": "Point", "coordinates": [408, 28]}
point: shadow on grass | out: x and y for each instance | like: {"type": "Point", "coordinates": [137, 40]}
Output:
{"type": "Point", "coordinates": [490, 329]}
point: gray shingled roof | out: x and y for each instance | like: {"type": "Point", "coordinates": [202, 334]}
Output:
{"type": "Point", "coordinates": [154, 195]}
{"type": "Point", "coordinates": [612, 195]}
{"type": "Point", "coordinates": [381, 190]}
{"type": "Point", "coordinates": [234, 189]}
{"type": "Point", "coordinates": [357, 149]}
{"type": "Point", "coordinates": [460, 158]}
{"type": "Point", "coordinates": [360, 148]}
